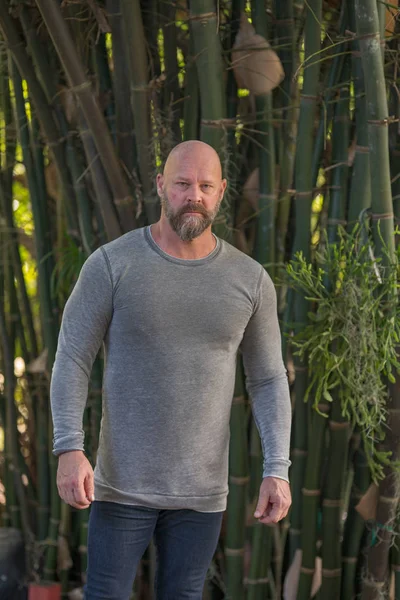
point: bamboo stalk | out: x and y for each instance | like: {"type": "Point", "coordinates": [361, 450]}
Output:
{"type": "Point", "coordinates": [172, 91]}
{"type": "Point", "coordinates": [82, 88]}
{"type": "Point", "coordinates": [338, 425]}
{"type": "Point", "coordinates": [367, 23]}
{"type": "Point", "coordinates": [207, 47]}
{"type": "Point", "coordinates": [73, 157]}
{"type": "Point", "coordinates": [303, 199]}
{"type": "Point", "coordinates": [11, 433]}
{"type": "Point", "coordinates": [264, 247]}
{"type": "Point", "coordinates": [360, 191]}
{"type": "Point", "coordinates": [312, 499]}
{"type": "Point", "coordinates": [355, 524]}
{"type": "Point", "coordinates": [49, 126]}
{"type": "Point", "coordinates": [191, 107]}
{"type": "Point", "coordinates": [288, 97]}
{"type": "Point", "coordinates": [124, 128]}
{"type": "Point", "coordinates": [140, 99]}
{"type": "Point", "coordinates": [238, 481]}
{"type": "Point", "coordinates": [328, 104]}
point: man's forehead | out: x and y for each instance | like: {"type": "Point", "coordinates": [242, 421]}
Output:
{"type": "Point", "coordinates": [206, 177]}
{"type": "Point", "coordinates": [193, 156]}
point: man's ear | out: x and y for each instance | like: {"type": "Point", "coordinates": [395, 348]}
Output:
{"type": "Point", "coordinates": [223, 185]}
{"type": "Point", "coordinates": [160, 183]}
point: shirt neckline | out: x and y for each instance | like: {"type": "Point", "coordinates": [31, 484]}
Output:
{"type": "Point", "coordinates": [189, 262]}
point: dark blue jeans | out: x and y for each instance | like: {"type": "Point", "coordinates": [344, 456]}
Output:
{"type": "Point", "coordinates": [118, 535]}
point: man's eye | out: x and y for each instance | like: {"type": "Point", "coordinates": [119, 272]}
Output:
{"type": "Point", "coordinates": [207, 185]}
{"type": "Point", "coordinates": [182, 183]}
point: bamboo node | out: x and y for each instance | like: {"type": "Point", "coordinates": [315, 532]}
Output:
{"type": "Point", "coordinates": [238, 400]}
{"type": "Point", "coordinates": [373, 583]}
{"type": "Point", "coordinates": [335, 425]}
{"type": "Point", "coordinates": [126, 201]}
{"type": "Point", "coordinates": [299, 452]}
{"type": "Point", "coordinates": [382, 216]}
{"type": "Point", "coordinates": [307, 492]}
{"type": "Point", "coordinates": [49, 542]}
{"type": "Point", "coordinates": [294, 531]}
{"type": "Point", "coordinates": [140, 88]}
{"type": "Point", "coordinates": [308, 97]}
{"type": "Point", "coordinates": [80, 87]}
{"type": "Point", "coordinates": [267, 196]}
{"type": "Point", "coordinates": [283, 21]}
{"type": "Point", "coordinates": [304, 194]}
{"type": "Point", "coordinates": [396, 567]}
{"type": "Point", "coordinates": [366, 36]}
{"type": "Point", "coordinates": [339, 164]}
{"type": "Point", "coordinates": [336, 221]}
{"type": "Point", "coordinates": [299, 369]}
{"type": "Point", "coordinates": [203, 16]}
{"type": "Point", "coordinates": [350, 560]}
{"type": "Point", "coordinates": [234, 551]}
{"type": "Point", "coordinates": [239, 480]}
{"type": "Point", "coordinates": [307, 571]}
{"type": "Point", "coordinates": [331, 572]}
{"type": "Point", "coordinates": [362, 149]}
{"type": "Point", "coordinates": [248, 581]}
{"type": "Point", "coordinates": [330, 503]}
{"type": "Point", "coordinates": [388, 500]}
{"type": "Point", "coordinates": [384, 121]}
{"type": "Point", "coordinates": [218, 122]}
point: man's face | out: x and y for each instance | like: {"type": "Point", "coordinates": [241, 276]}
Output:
{"type": "Point", "coordinates": [190, 219]}
{"type": "Point", "coordinates": [191, 193]}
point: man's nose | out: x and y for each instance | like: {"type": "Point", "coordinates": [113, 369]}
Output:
{"type": "Point", "coordinates": [194, 193]}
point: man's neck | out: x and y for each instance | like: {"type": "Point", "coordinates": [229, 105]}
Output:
{"type": "Point", "coordinates": [166, 238]}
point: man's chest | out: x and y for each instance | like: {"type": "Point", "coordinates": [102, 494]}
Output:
{"type": "Point", "coordinates": [182, 304]}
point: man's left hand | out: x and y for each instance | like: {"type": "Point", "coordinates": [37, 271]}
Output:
{"type": "Point", "coordinates": [274, 500]}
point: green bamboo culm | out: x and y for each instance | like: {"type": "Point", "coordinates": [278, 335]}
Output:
{"type": "Point", "coordinates": [368, 30]}
{"type": "Point", "coordinates": [339, 425]}
{"type": "Point", "coordinates": [367, 24]}
{"type": "Point", "coordinates": [238, 482]}
{"type": "Point", "coordinates": [135, 41]}
{"type": "Point", "coordinates": [265, 232]}
{"type": "Point", "coordinates": [210, 73]}
{"type": "Point", "coordinates": [64, 45]}
{"type": "Point", "coordinates": [303, 200]}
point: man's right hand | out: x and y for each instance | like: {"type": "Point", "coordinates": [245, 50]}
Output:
{"type": "Point", "coordinates": [75, 480]}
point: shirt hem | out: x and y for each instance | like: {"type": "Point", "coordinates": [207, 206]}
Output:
{"type": "Point", "coordinates": [212, 503]}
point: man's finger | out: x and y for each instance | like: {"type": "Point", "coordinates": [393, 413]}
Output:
{"type": "Point", "coordinates": [274, 515]}
{"type": "Point", "coordinates": [80, 498]}
{"type": "Point", "coordinates": [89, 487]}
{"type": "Point", "coordinates": [262, 505]}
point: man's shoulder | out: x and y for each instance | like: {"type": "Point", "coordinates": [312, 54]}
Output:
{"type": "Point", "coordinates": [125, 244]}
{"type": "Point", "coordinates": [239, 260]}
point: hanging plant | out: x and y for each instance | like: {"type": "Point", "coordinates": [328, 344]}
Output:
{"type": "Point", "coordinates": [352, 341]}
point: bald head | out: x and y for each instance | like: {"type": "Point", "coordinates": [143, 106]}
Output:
{"type": "Point", "coordinates": [193, 151]}
{"type": "Point", "coordinates": [191, 189]}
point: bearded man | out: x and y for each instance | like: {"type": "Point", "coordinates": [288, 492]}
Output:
{"type": "Point", "coordinates": [173, 304]}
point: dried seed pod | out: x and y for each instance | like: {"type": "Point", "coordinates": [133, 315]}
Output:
{"type": "Point", "coordinates": [255, 65]}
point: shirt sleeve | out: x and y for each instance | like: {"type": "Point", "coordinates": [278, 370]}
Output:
{"type": "Point", "coordinates": [87, 314]}
{"type": "Point", "coordinates": [266, 381]}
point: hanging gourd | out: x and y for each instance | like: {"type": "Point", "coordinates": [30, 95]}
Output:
{"type": "Point", "coordinates": [255, 65]}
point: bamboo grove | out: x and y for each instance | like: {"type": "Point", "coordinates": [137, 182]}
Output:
{"type": "Point", "coordinates": [301, 100]}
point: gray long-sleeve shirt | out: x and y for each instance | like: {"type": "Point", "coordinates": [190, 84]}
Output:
{"type": "Point", "coordinates": [171, 330]}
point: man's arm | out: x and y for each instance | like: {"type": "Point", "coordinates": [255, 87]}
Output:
{"type": "Point", "coordinates": [85, 320]}
{"type": "Point", "coordinates": [266, 381]}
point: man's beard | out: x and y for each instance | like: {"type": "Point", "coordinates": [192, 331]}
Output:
{"type": "Point", "coordinates": [188, 227]}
